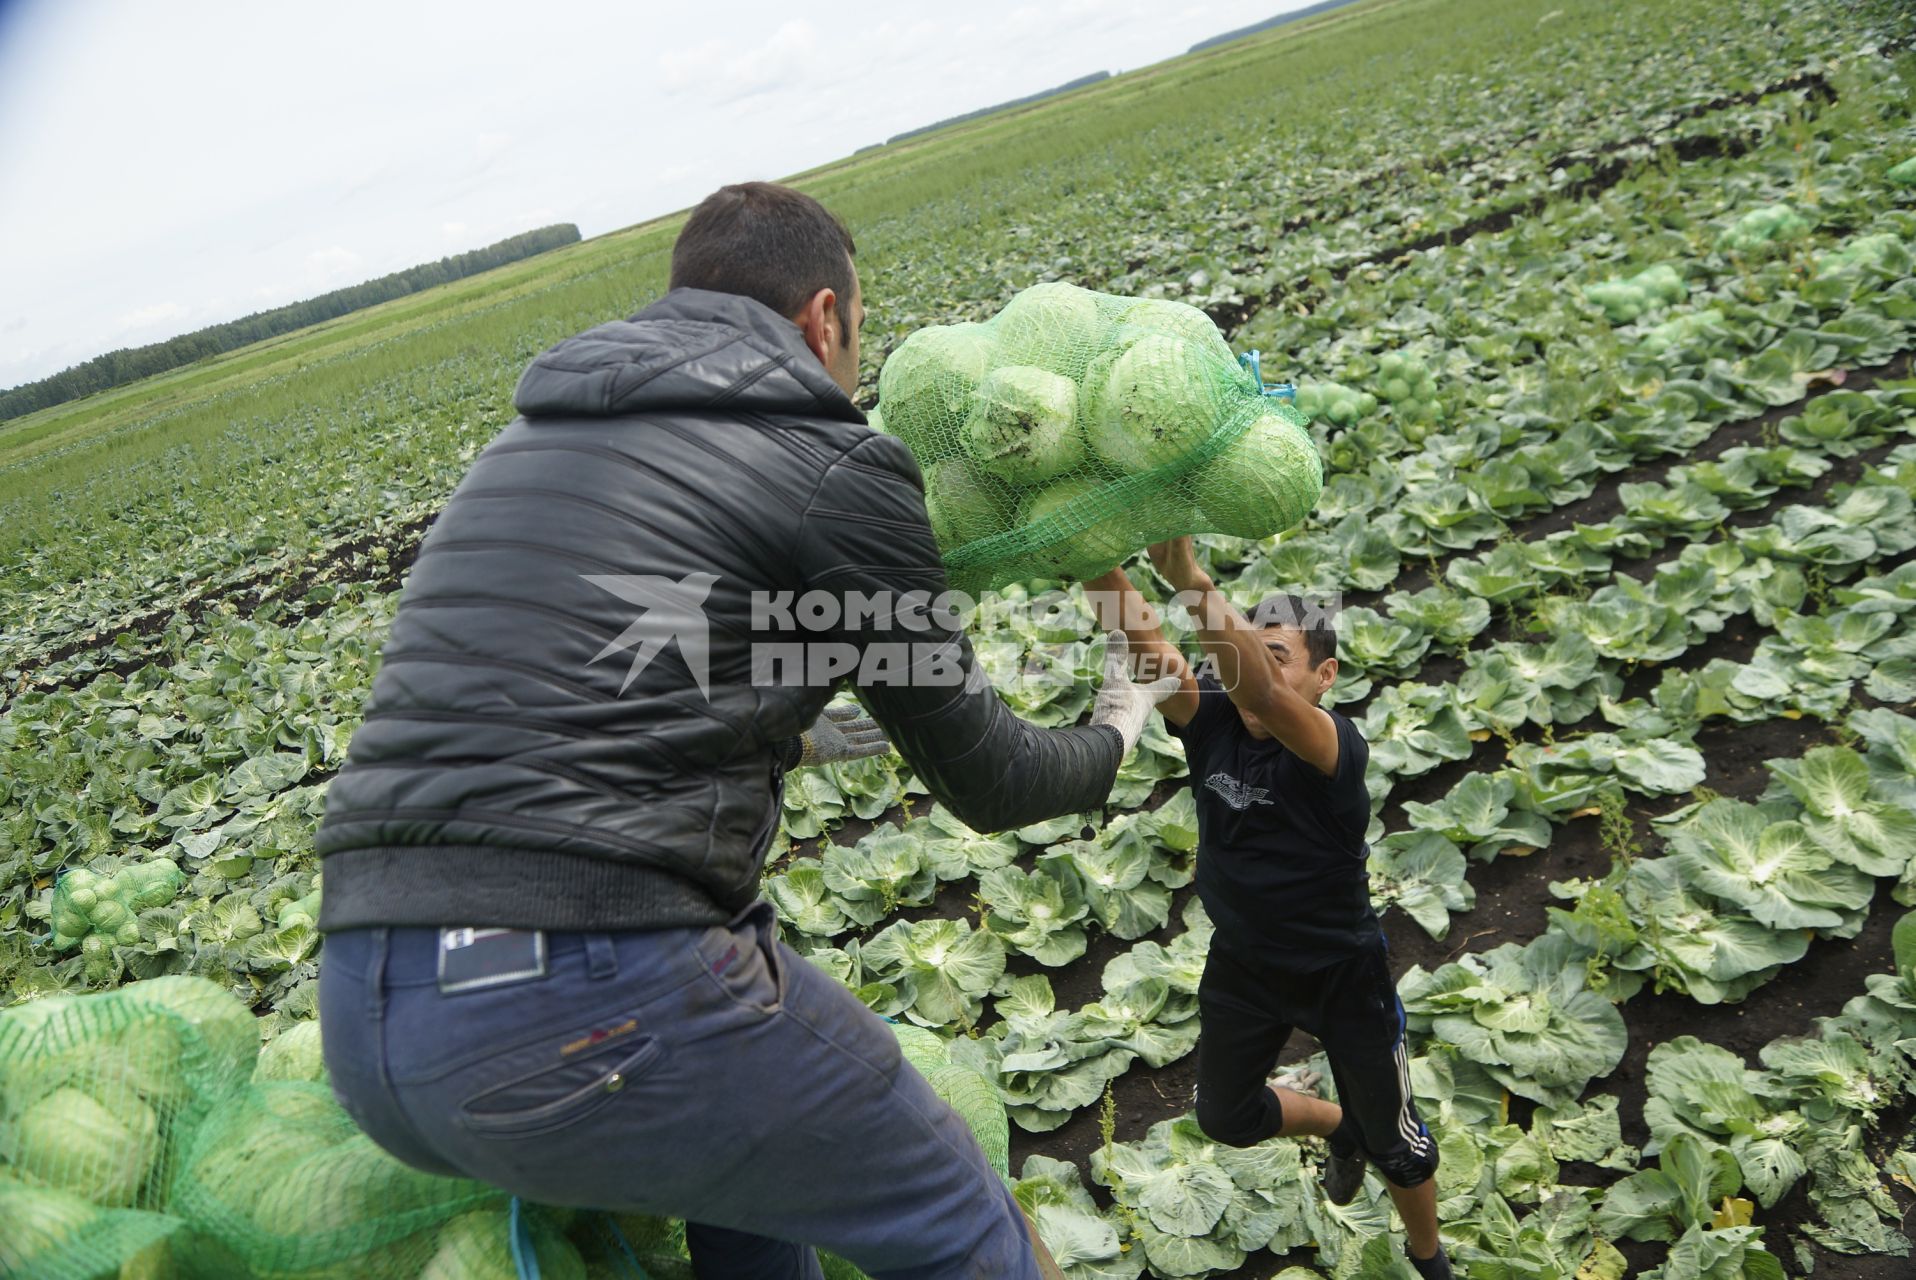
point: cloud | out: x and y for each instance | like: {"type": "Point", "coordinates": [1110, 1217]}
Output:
{"type": "Point", "coordinates": [147, 317]}
{"type": "Point", "coordinates": [719, 73]}
{"type": "Point", "coordinates": [453, 230]}
{"type": "Point", "coordinates": [326, 267]}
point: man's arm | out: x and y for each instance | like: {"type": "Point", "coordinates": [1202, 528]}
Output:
{"type": "Point", "coordinates": [1121, 607]}
{"type": "Point", "coordinates": [1249, 672]}
{"type": "Point", "coordinates": [866, 531]}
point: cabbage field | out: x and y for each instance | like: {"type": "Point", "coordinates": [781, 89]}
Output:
{"type": "Point", "coordinates": [1602, 314]}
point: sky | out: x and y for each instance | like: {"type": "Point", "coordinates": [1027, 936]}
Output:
{"type": "Point", "coordinates": [170, 164]}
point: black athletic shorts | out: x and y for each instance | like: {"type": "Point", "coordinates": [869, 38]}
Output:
{"type": "Point", "coordinates": [1248, 1011]}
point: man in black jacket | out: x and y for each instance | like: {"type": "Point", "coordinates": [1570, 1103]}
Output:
{"type": "Point", "coordinates": [547, 965]}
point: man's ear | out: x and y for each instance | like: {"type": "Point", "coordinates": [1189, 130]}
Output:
{"type": "Point", "coordinates": [1326, 675]}
{"type": "Point", "coordinates": [818, 321]}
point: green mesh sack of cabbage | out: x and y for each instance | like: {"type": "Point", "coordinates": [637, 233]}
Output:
{"type": "Point", "coordinates": [1075, 427]}
{"type": "Point", "coordinates": [279, 1183]}
{"type": "Point", "coordinates": [96, 910]}
{"type": "Point", "coordinates": [100, 1096]}
{"type": "Point", "coordinates": [49, 1234]}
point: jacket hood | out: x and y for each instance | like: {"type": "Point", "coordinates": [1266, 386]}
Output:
{"type": "Point", "coordinates": [692, 349]}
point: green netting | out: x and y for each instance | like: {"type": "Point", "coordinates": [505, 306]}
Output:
{"type": "Point", "coordinates": [49, 1234]}
{"type": "Point", "coordinates": [1075, 427]}
{"type": "Point", "coordinates": [477, 1245]}
{"type": "Point", "coordinates": [625, 1246]}
{"type": "Point", "coordinates": [976, 1099]}
{"type": "Point", "coordinates": [970, 1094]}
{"type": "Point", "coordinates": [921, 1047]}
{"type": "Point", "coordinates": [100, 1096]}
{"type": "Point", "coordinates": [279, 1182]}
{"type": "Point", "coordinates": [96, 909]}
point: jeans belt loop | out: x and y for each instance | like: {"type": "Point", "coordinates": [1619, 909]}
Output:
{"type": "Point", "coordinates": [376, 973]}
{"type": "Point", "coordinates": [602, 959]}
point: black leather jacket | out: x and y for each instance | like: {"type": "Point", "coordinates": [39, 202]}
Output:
{"type": "Point", "coordinates": [503, 776]}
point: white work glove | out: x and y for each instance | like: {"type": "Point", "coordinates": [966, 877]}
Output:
{"type": "Point", "coordinates": [1123, 703]}
{"type": "Point", "coordinates": [1299, 1080]}
{"type": "Point", "coordinates": [842, 732]}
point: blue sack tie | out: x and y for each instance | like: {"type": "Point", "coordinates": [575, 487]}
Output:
{"type": "Point", "coordinates": [1276, 390]}
{"type": "Point", "coordinates": [525, 1259]}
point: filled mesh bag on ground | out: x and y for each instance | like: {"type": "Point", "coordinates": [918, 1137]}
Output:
{"type": "Point", "coordinates": [49, 1234]}
{"type": "Point", "coordinates": [100, 1096]}
{"type": "Point", "coordinates": [1074, 428]}
{"type": "Point", "coordinates": [279, 1183]}
{"type": "Point", "coordinates": [96, 909]}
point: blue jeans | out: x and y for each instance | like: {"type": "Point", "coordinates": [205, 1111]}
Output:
{"type": "Point", "coordinates": [710, 1074]}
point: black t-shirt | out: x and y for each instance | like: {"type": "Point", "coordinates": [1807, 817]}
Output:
{"type": "Point", "coordinates": [1281, 850]}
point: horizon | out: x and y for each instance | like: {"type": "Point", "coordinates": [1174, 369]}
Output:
{"type": "Point", "coordinates": [194, 260]}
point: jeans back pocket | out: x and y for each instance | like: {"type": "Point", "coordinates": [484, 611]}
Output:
{"type": "Point", "coordinates": [558, 1094]}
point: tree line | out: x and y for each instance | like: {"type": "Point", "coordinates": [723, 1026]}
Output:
{"type": "Point", "coordinates": [129, 364]}
{"type": "Point", "coordinates": [1079, 83]}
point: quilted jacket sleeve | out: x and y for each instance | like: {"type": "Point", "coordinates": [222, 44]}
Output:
{"type": "Point", "coordinates": [866, 531]}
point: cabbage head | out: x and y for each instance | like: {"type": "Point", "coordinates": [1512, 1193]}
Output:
{"type": "Point", "coordinates": [926, 386]}
{"type": "Point", "coordinates": [1266, 482]}
{"type": "Point", "coordinates": [1155, 401]}
{"type": "Point", "coordinates": [68, 1139]}
{"type": "Point", "coordinates": [228, 1028]}
{"type": "Point", "coordinates": [1178, 319]}
{"type": "Point", "coordinates": [478, 1246]}
{"type": "Point", "coordinates": [1103, 544]}
{"type": "Point", "coordinates": [39, 1222]}
{"type": "Point", "coordinates": [1058, 327]}
{"type": "Point", "coordinates": [1024, 425]}
{"type": "Point", "coordinates": [294, 1054]}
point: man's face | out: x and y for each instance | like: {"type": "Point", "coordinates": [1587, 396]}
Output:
{"type": "Point", "coordinates": [1286, 647]}
{"type": "Point", "coordinates": [844, 364]}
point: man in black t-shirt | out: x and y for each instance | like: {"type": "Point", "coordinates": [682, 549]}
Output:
{"type": "Point", "coordinates": [1282, 812]}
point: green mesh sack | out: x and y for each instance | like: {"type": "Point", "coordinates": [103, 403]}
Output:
{"type": "Point", "coordinates": [49, 1234]}
{"type": "Point", "coordinates": [279, 1183]}
{"type": "Point", "coordinates": [976, 1101]}
{"type": "Point", "coordinates": [477, 1245]}
{"type": "Point", "coordinates": [97, 909]}
{"type": "Point", "coordinates": [100, 1095]}
{"type": "Point", "coordinates": [973, 1097]}
{"type": "Point", "coordinates": [921, 1047]}
{"type": "Point", "coordinates": [625, 1246]}
{"type": "Point", "coordinates": [1074, 428]}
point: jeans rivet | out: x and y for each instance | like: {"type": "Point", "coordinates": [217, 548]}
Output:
{"type": "Point", "coordinates": [614, 1082]}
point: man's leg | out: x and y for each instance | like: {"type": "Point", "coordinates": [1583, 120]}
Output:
{"type": "Point", "coordinates": [1239, 1041]}
{"type": "Point", "coordinates": [1361, 1026]}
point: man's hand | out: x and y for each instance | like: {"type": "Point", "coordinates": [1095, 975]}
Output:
{"type": "Point", "coordinates": [1123, 703]}
{"type": "Point", "coordinates": [1177, 561]}
{"type": "Point", "coordinates": [842, 733]}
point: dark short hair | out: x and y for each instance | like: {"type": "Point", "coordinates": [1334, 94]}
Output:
{"type": "Point", "coordinates": [1318, 623]}
{"type": "Point", "coordinates": [766, 242]}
